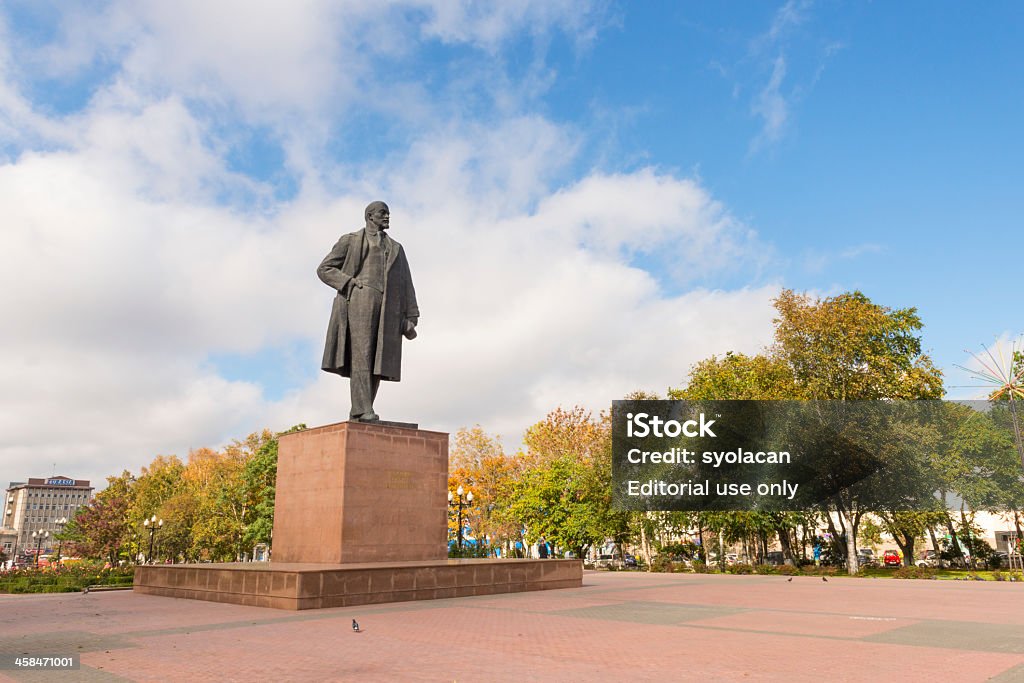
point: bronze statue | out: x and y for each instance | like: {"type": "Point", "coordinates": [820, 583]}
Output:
{"type": "Point", "coordinates": [374, 308]}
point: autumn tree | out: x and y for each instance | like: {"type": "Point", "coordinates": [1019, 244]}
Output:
{"type": "Point", "coordinates": [838, 348]}
{"type": "Point", "coordinates": [478, 463]}
{"type": "Point", "coordinates": [216, 479]}
{"type": "Point", "coordinates": [100, 529]}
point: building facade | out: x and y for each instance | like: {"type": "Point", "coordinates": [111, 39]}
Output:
{"type": "Point", "coordinates": [40, 505]}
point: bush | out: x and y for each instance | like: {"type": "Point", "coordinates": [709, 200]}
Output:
{"type": "Point", "coordinates": [469, 550]}
{"type": "Point", "coordinates": [740, 569]}
{"type": "Point", "coordinates": [63, 579]}
{"type": "Point", "coordinates": [789, 570]}
{"type": "Point", "coordinates": [680, 550]}
{"type": "Point", "coordinates": [819, 571]}
{"type": "Point", "coordinates": [913, 572]}
{"type": "Point", "coordinates": [664, 563]}
{"type": "Point", "coordinates": [766, 569]}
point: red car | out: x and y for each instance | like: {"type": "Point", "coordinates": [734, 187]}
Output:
{"type": "Point", "coordinates": [891, 558]}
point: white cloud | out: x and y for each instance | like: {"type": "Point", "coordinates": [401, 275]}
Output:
{"type": "Point", "coordinates": [488, 25]}
{"type": "Point", "coordinates": [131, 252]}
{"type": "Point", "coordinates": [117, 295]}
{"type": "Point", "coordinates": [792, 13]}
{"type": "Point", "coordinates": [771, 106]}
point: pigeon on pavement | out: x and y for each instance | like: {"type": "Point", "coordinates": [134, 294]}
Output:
{"type": "Point", "coordinates": [355, 626]}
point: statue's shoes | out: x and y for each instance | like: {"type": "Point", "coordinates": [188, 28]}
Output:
{"type": "Point", "coordinates": [368, 417]}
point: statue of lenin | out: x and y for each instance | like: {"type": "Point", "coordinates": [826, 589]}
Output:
{"type": "Point", "coordinates": [374, 308]}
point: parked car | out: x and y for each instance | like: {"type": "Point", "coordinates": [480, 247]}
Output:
{"type": "Point", "coordinates": [866, 557]}
{"type": "Point", "coordinates": [629, 561]}
{"type": "Point", "coordinates": [891, 558]}
{"type": "Point", "coordinates": [929, 559]}
{"type": "Point", "coordinates": [605, 561]}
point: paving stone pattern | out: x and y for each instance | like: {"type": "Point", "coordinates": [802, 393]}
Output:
{"type": "Point", "coordinates": [618, 626]}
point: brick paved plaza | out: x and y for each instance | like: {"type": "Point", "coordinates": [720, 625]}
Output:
{"type": "Point", "coordinates": [619, 626]}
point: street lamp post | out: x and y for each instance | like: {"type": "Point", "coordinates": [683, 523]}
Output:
{"type": "Point", "coordinates": [469, 499]}
{"type": "Point", "coordinates": [60, 545]}
{"type": "Point", "coordinates": [39, 536]}
{"type": "Point", "coordinates": [152, 524]}
{"type": "Point", "coordinates": [17, 536]}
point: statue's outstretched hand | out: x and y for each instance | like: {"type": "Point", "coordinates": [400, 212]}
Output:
{"type": "Point", "coordinates": [409, 328]}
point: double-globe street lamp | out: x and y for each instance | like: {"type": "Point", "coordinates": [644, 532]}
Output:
{"type": "Point", "coordinates": [469, 499]}
{"type": "Point", "coordinates": [39, 536]}
{"type": "Point", "coordinates": [60, 545]}
{"type": "Point", "coordinates": [152, 524]}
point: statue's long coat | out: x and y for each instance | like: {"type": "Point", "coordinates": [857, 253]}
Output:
{"type": "Point", "coordinates": [398, 304]}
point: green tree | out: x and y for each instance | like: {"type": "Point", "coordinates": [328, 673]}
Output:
{"type": "Point", "coordinates": [838, 348]}
{"type": "Point", "coordinates": [740, 377]}
{"type": "Point", "coordinates": [563, 501]}
{"type": "Point", "coordinates": [156, 483]}
{"type": "Point", "coordinates": [563, 489]}
{"type": "Point", "coordinates": [260, 483]}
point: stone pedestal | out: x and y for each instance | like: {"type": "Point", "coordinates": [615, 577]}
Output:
{"type": "Point", "coordinates": [360, 518]}
{"type": "Point", "coordinates": [355, 492]}
{"type": "Point", "coordinates": [315, 586]}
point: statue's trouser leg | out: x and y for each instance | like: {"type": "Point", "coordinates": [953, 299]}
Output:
{"type": "Point", "coordinates": [363, 320]}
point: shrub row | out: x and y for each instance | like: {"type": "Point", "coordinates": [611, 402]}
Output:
{"type": "Point", "coordinates": [913, 572]}
{"type": "Point", "coordinates": [63, 579]}
{"type": "Point", "coordinates": [663, 564]}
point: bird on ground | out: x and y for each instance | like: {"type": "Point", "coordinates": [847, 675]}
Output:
{"type": "Point", "coordinates": [789, 579]}
{"type": "Point", "coordinates": [355, 626]}
{"type": "Point", "coordinates": [825, 579]}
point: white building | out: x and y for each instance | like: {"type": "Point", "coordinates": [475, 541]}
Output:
{"type": "Point", "coordinates": [39, 505]}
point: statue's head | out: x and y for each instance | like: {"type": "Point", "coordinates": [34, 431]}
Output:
{"type": "Point", "coordinates": [377, 215]}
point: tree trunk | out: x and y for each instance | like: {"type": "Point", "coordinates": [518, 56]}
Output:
{"type": "Point", "coordinates": [907, 548]}
{"type": "Point", "coordinates": [787, 549]}
{"type": "Point", "coordinates": [835, 535]}
{"type": "Point", "coordinates": [953, 539]}
{"type": "Point", "coordinates": [1015, 546]}
{"type": "Point", "coordinates": [645, 544]}
{"type": "Point", "coordinates": [703, 554]}
{"type": "Point", "coordinates": [970, 542]}
{"type": "Point", "coordinates": [935, 544]}
{"type": "Point", "coordinates": [849, 522]}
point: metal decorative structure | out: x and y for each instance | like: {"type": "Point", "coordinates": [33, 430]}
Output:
{"type": "Point", "coordinates": [1001, 369]}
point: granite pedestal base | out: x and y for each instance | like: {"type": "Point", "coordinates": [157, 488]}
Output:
{"type": "Point", "coordinates": [298, 586]}
{"type": "Point", "coordinates": [361, 492]}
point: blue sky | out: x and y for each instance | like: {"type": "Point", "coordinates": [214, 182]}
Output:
{"type": "Point", "coordinates": [593, 196]}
